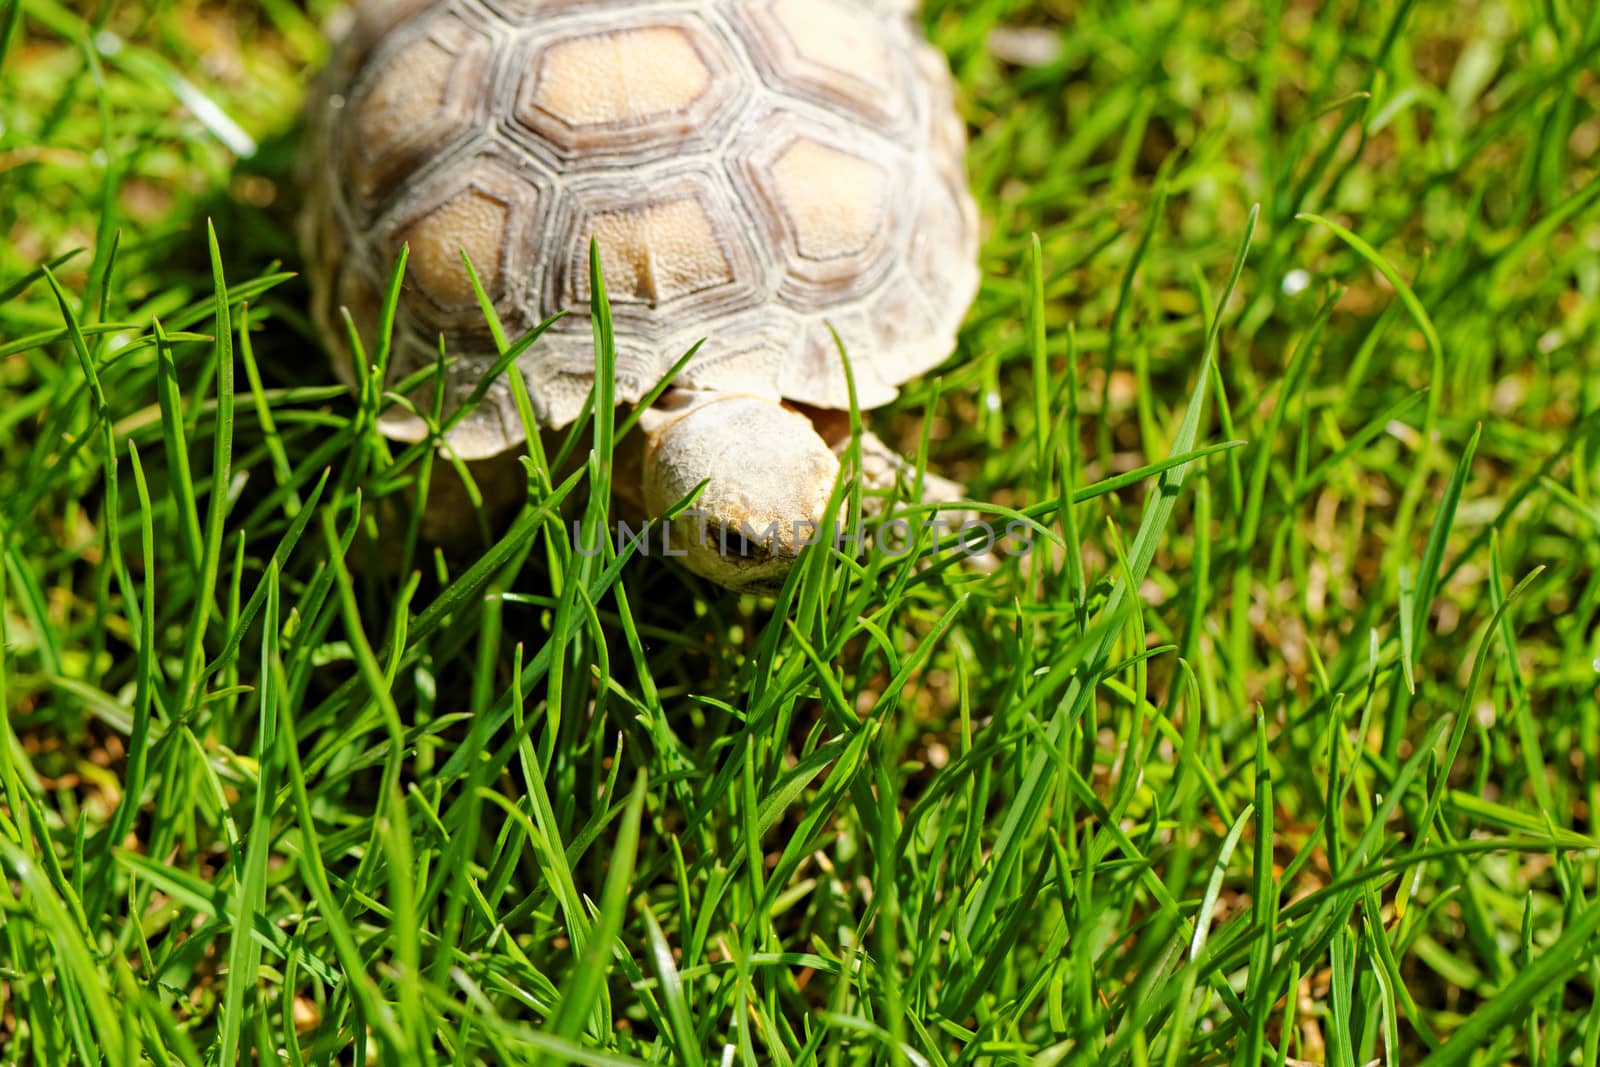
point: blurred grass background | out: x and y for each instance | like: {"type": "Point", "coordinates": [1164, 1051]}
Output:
{"type": "Point", "coordinates": [1268, 765]}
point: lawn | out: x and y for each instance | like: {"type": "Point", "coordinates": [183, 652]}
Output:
{"type": "Point", "coordinates": [1282, 745]}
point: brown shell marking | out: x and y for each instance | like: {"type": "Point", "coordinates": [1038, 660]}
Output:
{"type": "Point", "coordinates": [757, 174]}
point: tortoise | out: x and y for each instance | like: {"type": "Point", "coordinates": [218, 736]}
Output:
{"type": "Point", "coordinates": [775, 178]}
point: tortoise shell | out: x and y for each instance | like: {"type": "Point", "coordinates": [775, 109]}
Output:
{"type": "Point", "coordinates": [757, 174]}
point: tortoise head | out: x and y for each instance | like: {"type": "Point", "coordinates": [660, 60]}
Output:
{"type": "Point", "coordinates": [768, 478]}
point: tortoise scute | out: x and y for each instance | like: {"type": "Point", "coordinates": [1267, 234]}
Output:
{"type": "Point", "coordinates": [405, 96]}
{"type": "Point", "coordinates": [671, 249]}
{"type": "Point", "coordinates": [481, 206]}
{"type": "Point", "coordinates": [525, 11]}
{"type": "Point", "coordinates": [648, 91]}
{"type": "Point", "coordinates": [659, 252]}
{"type": "Point", "coordinates": [824, 196]}
{"type": "Point", "coordinates": [474, 220]}
{"type": "Point", "coordinates": [360, 29]}
{"type": "Point", "coordinates": [620, 79]}
{"type": "Point", "coordinates": [426, 95]}
{"type": "Point", "coordinates": [836, 202]}
{"type": "Point", "coordinates": [834, 52]}
{"type": "Point", "coordinates": [757, 174]}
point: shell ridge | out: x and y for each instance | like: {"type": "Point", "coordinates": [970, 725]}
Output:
{"type": "Point", "coordinates": [753, 179]}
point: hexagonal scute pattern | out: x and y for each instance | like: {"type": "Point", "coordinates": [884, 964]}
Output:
{"type": "Point", "coordinates": [427, 93]}
{"type": "Point", "coordinates": [836, 203]}
{"type": "Point", "coordinates": [619, 78]}
{"type": "Point", "coordinates": [524, 11]}
{"type": "Point", "coordinates": [667, 246]}
{"type": "Point", "coordinates": [477, 222]}
{"type": "Point", "coordinates": [825, 196]}
{"type": "Point", "coordinates": [490, 208]}
{"type": "Point", "coordinates": [835, 52]}
{"type": "Point", "coordinates": [666, 84]}
{"type": "Point", "coordinates": [660, 252]}
{"type": "Point", "coordinates": [755, 173]}
{"type": "Point", "coordinates": [366, 25]}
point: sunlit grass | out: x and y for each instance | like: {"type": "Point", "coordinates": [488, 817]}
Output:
{"type": "Point", "coordinates": [1281, 745]}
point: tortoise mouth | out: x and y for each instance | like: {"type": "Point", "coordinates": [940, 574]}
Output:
{"type": "Point", "coordinates": [748, 562]}
{"type": "Point", "coordinates": [735, 546]}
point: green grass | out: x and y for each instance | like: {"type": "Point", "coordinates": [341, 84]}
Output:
{"type": "Point", "coordinates": [1288, 750]}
